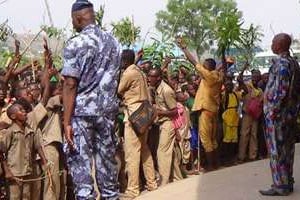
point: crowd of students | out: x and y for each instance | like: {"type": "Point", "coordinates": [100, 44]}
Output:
{"type": "Point", "coordinates": [175, 147]}
{"type": "Point", "coordinates": [177, 144]}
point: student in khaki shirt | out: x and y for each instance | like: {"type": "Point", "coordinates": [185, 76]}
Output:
{"type": "Point", "coordinates": [134, 90]}
{"type": "Point", "coordinates": [52, 144]}
{"type": "Point", "coordinates": [20, 141]}
{"type": "Point", "coordinates": [207, 101]}
{"type": "Point", "coordinates": [248, 135]}
{"type": "Point", "coordinates": [166, 109]}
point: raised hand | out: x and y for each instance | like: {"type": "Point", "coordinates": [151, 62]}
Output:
{"type": "Point", "coordinates": [47, 55]}
{"type": "Point", "coordinates": [180, 42]}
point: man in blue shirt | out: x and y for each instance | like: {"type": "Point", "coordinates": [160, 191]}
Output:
{"type": "Point", "coordinates": [91, 72]}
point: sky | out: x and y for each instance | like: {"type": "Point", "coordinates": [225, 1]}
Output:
{"type": "Point", "coordinates": [273, 16]}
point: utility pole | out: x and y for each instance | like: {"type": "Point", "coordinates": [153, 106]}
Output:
{"type": "Point", "coordinates": [49, 13]}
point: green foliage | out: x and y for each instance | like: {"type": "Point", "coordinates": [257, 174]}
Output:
{"type": "Point", "coordinates": [227, 30]}
{"type": "Point", "coordinates": [53, 32]}
{"type": "Point", "coordinates": [5, 31]}
{"type": "Point", "coordinates": [4, 56]}
{"type": "Point", "coordinates": [126, 32]}
{"type": "Point", "coordinates": [175, 65]}
{"type": "Point", "coordinates": [248, 41]}
{"type": "Point", "coordinates": [158, 50]}
{"type": "Point", "coordinates": [99, 17]}
{"type": "Point", "coordinates": [194, 19]}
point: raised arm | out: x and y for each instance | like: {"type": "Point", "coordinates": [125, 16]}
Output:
{"type": "Point", "coordinates": [240, 80]}
{"type": "Point", "coordinates": [13, 63]}
{"type": "Point", "coordinates": [48, 72]}
{"type": "Point", "coordinates": [181, 44]}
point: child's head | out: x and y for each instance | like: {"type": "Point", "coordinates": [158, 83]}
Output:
{"type": "Point", "coordinates": [35, 91]}
{"type": "Point", "coordinates": [181, 97]}
{"type": "Point", "coordinates": [228, 85]}
{"type": "Point", "coordinates": [194, 79]}
{"type": "Point", "coordinates": [17, 113]}
{"type": "Point", "coordinates": [19, 84]}
{"type": "Point", "coordinates": [56, 88]}
{"type": "Point", "coordinates": [191, 90]}
{"type": "Point", "coordinates": [24, 93]}
{"type": "Point", "coordinates": [181, 78]}
{"type": "Point", "coordinates": [173, 81]}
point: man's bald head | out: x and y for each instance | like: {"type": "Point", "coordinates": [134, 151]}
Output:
{"type": "Point", "coordinates": [281, 43]}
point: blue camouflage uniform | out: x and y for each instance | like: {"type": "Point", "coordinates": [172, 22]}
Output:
{"type": "Point", "coordinates": [92, 58]}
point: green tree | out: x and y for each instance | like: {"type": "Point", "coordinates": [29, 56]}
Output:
{"type": "Point", "coordinates": [193, 19]}
{"type": "Point", "coordinates": [126, 32]}
{"type": "Point", "coordinates": [158, 50]}
{"type": "Point", "coordinates": [248, 42]}
{"type": "Point", "coordinates": [227, 30]}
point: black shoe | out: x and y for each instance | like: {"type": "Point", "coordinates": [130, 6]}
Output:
{"type": "Point", "coordinates": [291, 189]}
{"type": "Point", "coordinates": [274, 192]}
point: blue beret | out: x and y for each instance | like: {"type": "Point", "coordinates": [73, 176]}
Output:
{"type": "Point", "coordinates": [81, 4]}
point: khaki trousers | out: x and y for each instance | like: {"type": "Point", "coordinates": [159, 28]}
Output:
{"type": "Point", "coordinates": [52, 155]}
{"type": "Point", "coordinates": [136, 151]}
{"type": "Point", "coordinates": [22, 191]}
{"type": "Point", "coordinates": [165, 151]}
{"type": "Point", "coordinates": [208, 130]}
{"type": "Point", "coordinates": [36, 186]}
{"type": "Point", "coordinates": [177, 157]}
{"type": "Point", "coordinates": [184, 144]}
{"type": "Point", "coordinates": [248, 136]}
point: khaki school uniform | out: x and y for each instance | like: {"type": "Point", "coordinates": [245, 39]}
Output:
{"type": "Point", "coordinates": [134, 90]}
{"type": "Point", "coordinates": [52, 141]}
{"type": "Point", "coordinates": [165, 100]}
{"type": "Point", "coordinates": [19, 147]}
{"type": "Point", "coordinates": [207, 101]}
{"type": "Point", "coordinates": [249, 127]}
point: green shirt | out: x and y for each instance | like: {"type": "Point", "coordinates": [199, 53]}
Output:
{"type": "Point", "coordinates": [193, 114]}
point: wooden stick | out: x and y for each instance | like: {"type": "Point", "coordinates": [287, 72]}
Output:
{"type": "Point", "coordinates": [30, 43]}
{"type": "Point", "coordinates": [33, 69]}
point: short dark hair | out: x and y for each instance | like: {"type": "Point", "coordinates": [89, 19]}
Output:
{"type": "Point", "coordinates": [211, 62]}
{"type": "Point", "coordinates": [12, 109]}
{"type": "Point", "coordinates": [157, 70]}
{"type": "Point", "coordinates": [25, 104]}
{"type": "Point", "coordinates": [128, 56]}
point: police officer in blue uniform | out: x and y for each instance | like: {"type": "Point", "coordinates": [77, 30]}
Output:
{"type": "Point", "coordinates": [91, 72]}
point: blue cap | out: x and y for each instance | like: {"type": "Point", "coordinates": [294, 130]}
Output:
{"type": "Point", "coordinates": [81, 4]}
